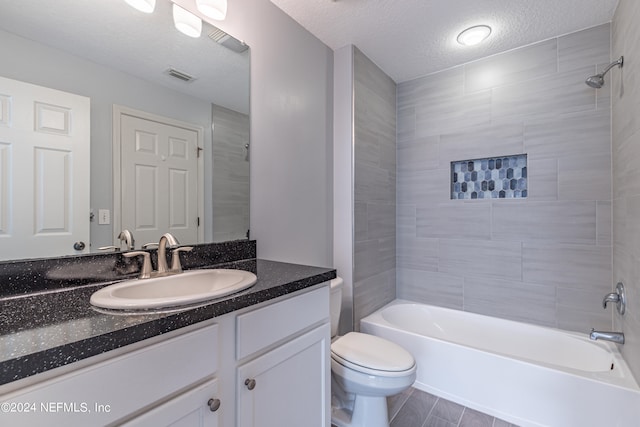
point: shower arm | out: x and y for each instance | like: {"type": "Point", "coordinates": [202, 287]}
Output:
{"type": "Point", "coordinates": [619, 63]}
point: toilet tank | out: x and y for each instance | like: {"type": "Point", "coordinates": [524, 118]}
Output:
{"type": "Point", "coordinates": [335, 304]}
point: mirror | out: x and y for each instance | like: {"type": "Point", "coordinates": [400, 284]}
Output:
{"type": "Point", "coordinates": [117, 56]}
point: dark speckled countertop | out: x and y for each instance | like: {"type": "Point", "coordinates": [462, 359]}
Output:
{"type": "Point", "coordinates": [44, 330]}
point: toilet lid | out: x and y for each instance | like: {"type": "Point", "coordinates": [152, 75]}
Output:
{"type": "Point", "coordinates": [371, 352]}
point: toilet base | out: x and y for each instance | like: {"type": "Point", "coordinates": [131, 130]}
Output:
{"type": "Point", "coordinates": [351, 410]}
{"type": "Point", "coordinates": [368, 411]}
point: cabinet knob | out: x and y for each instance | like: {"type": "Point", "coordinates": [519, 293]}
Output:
{"type": "Point", "coordinates": [251, 384]}
{"type": "Point", "coordinates": [214, 404]}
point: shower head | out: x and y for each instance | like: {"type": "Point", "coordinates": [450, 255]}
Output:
{"type": "Point", "coordinates": [597, 81]}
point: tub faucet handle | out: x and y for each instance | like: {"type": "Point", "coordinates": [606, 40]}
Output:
{"type": "Point", "coordinates": [618, 297]}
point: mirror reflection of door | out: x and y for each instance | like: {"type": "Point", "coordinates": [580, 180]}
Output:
{"type": "Point", "coordinates": [159, 182]}
{"type": "Point", "coordinates": [44, 144]}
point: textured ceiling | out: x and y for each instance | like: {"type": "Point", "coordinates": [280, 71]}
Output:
{"type": "Point", "coordinates": [412, 38]}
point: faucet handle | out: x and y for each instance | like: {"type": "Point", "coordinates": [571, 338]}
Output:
{"type": "Point", "coordinates": [109, 248]}
{"type": "Point", "coordinates": [150, 245]}
{"type": "Point", "coordinates": [145, 273]}
{"type": "Point", "coordinates": [175, 258]}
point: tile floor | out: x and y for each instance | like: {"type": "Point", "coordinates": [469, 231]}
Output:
{"type": "Point", "coordinates": [415, 408]}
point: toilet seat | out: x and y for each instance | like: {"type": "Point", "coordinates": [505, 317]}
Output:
{"type": "Point", "coordinates": [372, 355]}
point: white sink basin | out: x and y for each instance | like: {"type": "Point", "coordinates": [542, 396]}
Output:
{"type": "Point", "coordinates": [185, 288]}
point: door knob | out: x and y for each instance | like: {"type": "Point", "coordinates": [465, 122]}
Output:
{"type": "Point", "coordinates": [250, 383]}
{"type": "Point", "coordinates": [79, 246]}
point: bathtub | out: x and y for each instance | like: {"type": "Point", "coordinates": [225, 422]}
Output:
{"type": "Point", "coordinates": [525, 374]}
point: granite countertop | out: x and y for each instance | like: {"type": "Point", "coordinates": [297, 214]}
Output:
{"type": "Point", "coordinates": [46, 330]}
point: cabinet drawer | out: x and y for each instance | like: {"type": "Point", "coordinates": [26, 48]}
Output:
{"type": "Point", "coordinates": [116, 388]}
{"type": "Point", "coordinates": [188, 409]}
{"type": "Point", "coordinates": [267, 325]}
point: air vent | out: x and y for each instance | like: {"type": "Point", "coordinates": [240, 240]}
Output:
{"type": "Point", "coordinates": [230, 42]}
{"type": "Point", "coordinates": [180, 75]}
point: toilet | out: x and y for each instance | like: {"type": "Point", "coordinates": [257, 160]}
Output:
{"type": "Point", "coordinates": [365, 369]}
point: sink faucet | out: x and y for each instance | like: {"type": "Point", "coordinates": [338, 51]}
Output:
{"type": "Point", "coordinates": [167, 239]}
{"type": "Point", "coordinates": [616, 337]}
{"type": "Point", "coordinates": [126, 236]}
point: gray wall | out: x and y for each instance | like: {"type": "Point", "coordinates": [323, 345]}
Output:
{"type": "Point", "coordinates": [374, 267]}
{"type": "Point", "coordinates": [291, 130]}
{"type": "Point", "coordinates": [230, 174]}
{"type": "Point", "coordinates": [545, 259]}
{"type": "Point", "coordinates": [626, 174]}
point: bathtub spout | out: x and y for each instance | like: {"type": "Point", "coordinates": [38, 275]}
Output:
{"type": "Point", "coordinates": [616, 337]}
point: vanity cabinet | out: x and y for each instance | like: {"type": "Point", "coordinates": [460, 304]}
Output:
{"type": "Point", "coordinates": [288, 385]}
{"type": "Point", "coordinates": [266, 365]}
{"type": "Point", "coordinates": [118, 388]}
{"type": "Point", "coordinates": [198, 407]}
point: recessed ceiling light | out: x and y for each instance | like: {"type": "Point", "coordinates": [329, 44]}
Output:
{"type": "Point", "coordinates": [474, 35]}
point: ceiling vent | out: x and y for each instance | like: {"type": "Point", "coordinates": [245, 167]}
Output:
{"type": "Point", "coordinates": [230, 42]}
{"type": "Point", "coordinates": [180, 75]}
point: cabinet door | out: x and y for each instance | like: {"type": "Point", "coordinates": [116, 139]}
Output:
{"type": "Point", "coordinates": [195, 408]}
{"type": "Point", "coordinates": [288, 386]}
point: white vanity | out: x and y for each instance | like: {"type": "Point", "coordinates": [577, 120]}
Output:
{"type": "Point", "coordinates": [265, 364]}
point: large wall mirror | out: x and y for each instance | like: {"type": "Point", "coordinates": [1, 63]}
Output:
{"type": "Point", "coordinates": [137, 74]}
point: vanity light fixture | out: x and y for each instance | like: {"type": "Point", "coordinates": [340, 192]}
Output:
{"type": "Point", "coordinates": [145, 6]}
{"type": "Point", "coordinates": [474, 35]}
{"type": "Point", "coordinates": [214, 9]}
{"type": "Point", "coordinates": [186, 22]}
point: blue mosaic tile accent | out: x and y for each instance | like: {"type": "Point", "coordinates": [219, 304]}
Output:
{"type": "Point", "coordinates": [490, 178]}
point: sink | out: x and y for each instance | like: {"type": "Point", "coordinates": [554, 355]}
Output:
{"type": "Point", "coordinates": [185, 288]}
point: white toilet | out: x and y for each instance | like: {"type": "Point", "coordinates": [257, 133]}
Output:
{"type": "Point", "coordinates": [365, 369]}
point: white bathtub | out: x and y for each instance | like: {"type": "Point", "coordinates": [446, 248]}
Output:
{"type": "Point", "coordinates": [525, 374]}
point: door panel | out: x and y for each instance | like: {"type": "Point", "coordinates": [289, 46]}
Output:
{"type": "Point", "coordinates": [44, 171]}
{"type": "Point", "coordinates": [159, 179]}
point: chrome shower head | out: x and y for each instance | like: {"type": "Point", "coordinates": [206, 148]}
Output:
{"type": "Point", "coordinates": [597, 81]}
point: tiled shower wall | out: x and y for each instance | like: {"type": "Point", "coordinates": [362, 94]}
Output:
{"type": "Point", "coordinates": [374, 267]}
{"type": "Point", "coordinates": [231, 159]}
{"type": "Point", "coordinates": [626, 174]}
{"type": "Point", "coordinates": [545, 259]}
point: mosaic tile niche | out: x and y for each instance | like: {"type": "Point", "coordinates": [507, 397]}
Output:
{"type": "Point", "coordinates": [490, 178]}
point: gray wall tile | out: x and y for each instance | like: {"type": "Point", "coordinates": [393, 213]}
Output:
{"type": "Point", "coordinates": [544, 97]}
{"type": "Point", "coordinates": [584, 48]}
{"type": "Point", "coordinates": [559, 222]}
{"type": "Point", "coordinates": [524, 302]}
{"type": "Point", "coordinates": [571, 266]}
{"type": "Point", "coordinates": [515, 66]}
{"type": "Point", "coordinates": [471, 258]}
{"type": "Point", "coordinates": [568, 135]}
{"type": "Point", "coordinates": [455, 221]}
{"type": "Point", "coordinates": [430, 287]}
{"type": "Point", "coordinates": [537, 104]}
{"type": "Point", "coordinates": [374, 268]}
{"type": "Point", "coordinates": [625, 101]}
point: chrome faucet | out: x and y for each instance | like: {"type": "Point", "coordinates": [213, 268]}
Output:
{"type": "Point", "coordinates": [167, 239]}
{"type": "Point", "coordinates": [618, 297]}
{"type": "Point", "coordinates": [616, 337]}
{"type": "Point", "coordinates": [126, 236]}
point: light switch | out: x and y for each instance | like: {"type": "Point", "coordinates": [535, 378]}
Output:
{"type": "Point", "coordinates": [104, 216]}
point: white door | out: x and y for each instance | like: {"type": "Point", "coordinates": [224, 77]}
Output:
{"type": "Point", "coordinates": [44, 171]}
{"type": "Point", "coordinates": [159, 179]}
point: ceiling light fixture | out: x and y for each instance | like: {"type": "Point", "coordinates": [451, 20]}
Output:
{"type": "Point", "coordinates": [186, 22]}
{"type": "Point", "coordinates": [474, 35]}
{"type": "Point", "coordinates": [214, 9]}
{"type": "Point", "coordinates": [145, 6]}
